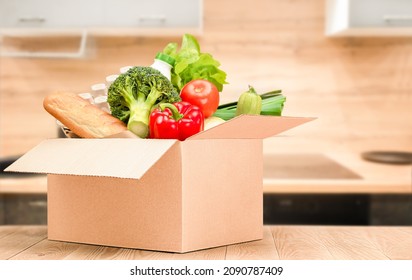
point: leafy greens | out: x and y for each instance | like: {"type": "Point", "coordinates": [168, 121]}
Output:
{"type": "Point", "coordinates": [191, 64]}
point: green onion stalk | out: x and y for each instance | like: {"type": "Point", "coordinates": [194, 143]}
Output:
{"type": "Point", "coordinates": [272, 105]}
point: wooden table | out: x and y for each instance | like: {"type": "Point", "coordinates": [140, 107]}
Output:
{"type": "Point", "coordinates": [279, 242]}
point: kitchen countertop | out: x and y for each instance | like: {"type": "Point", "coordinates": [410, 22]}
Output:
{"type": "Point", "coordinates": [24, 185]}
{"type": "Point", "coordinates": [301, 172]}
{"type": "Point", "coordinates": [325, 167]}
{"type": "Point", "coordinates": [334, 172]}
{"type": "Point", "coordinates": [279, 242]}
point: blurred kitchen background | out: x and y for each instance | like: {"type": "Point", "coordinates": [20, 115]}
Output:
{"type": "Point", "coordinates": [348, 63]}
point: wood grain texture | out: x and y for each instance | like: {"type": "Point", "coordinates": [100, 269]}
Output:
{"type": "Point", "coordinates": [359, 88]}
{"type": "Point", "coordinates": [48, 250]}
{"type": "Point", "coordinates": [264, 249]}
{"type": "Point", "coordinates": [279, 242]}
{"type": "Point", "coordinates": [218, 253]}
{"type": "Point", "coordinates": [299, 243]}
{"type": "Point", "coordinates": [349, 243]}
{"type": "Point", "coordinates": [395, 243]}
{"type": "Point", "coordinates": [16, 239]}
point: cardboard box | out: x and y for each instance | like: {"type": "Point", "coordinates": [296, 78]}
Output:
{"type": "Point", "coordinates": [163, 195]}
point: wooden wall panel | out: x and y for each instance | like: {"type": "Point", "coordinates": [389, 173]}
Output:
{"type": "Point", "coordinates": [360, 89]}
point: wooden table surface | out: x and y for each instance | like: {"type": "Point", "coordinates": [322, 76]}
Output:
{"type": "Point", "coordinates": [279, 242]}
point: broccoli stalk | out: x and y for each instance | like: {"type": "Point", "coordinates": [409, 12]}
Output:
{"type": "Point", "coordinates": [133, 94]}
{"type": "Point", "coordinates": [140, 110]}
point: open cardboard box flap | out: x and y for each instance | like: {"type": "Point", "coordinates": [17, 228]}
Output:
{"type": "Point", "coordinates": [132, 157]}
{"type": "Point", "coordinates": [251, 127]}
{"type": "Point", "coordinates": [120, 158]}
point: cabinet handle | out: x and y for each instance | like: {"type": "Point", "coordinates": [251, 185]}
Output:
{"type": "Point", "coordinates": [38, 204]}
{"type": "Point", "coordinates": [159, 18]}
{"type": "Point", "coordinates": [32, 19]}
{"type": "Point", "coordinates": [397, 17]}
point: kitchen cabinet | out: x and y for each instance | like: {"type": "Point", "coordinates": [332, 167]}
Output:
{"type": "Point", "coordinates": [337, 209]}
{"type": "Point", "coordinates": [2, 214]}
{"type": "Point", "coordinates": [368, 18]}
{"type": "Point", "coordinates": [100, 15]}
{"type": "Point", "coordinates": [97, 17]}
{"type": "Point", "coordinates": [50, 14]}
{"type": "Point", "coordinates": [153, 13]}
{"type": "Point", "coordinates": [23, 209]}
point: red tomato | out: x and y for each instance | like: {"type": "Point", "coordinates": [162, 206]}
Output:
{"type": "Point", "coordinates": [203, 94]}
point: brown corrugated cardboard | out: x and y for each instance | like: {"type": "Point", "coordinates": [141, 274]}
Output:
{"type": "Point", "coordinates": [162, 195]}
{"type": "Point", "coordinates": [121, 158]}
{"type": "Point", "coordinates": [250, 127]}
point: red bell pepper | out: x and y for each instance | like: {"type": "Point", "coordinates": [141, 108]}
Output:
{"type": "Point", "coordinates": [179, 120]}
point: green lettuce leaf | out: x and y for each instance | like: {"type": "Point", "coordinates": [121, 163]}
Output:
{"type": "Point", "coordinates": [192, 64]}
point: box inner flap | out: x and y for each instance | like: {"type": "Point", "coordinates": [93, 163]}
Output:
{"type": "Point", "coordinates": [121, 158]}
{"type": "Point", "coordinates": [251, 127]}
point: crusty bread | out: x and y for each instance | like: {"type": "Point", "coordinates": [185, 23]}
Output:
{"type": "Point", "coordinates": [81, 117]}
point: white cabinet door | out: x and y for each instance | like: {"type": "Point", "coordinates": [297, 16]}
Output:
{"type": "Point", "coordinates": [369, 17]}
{"type": "Point", "coordinates": [50, 13]}
{"type": "Point", "coordinates": [380, 13]}
{"type": "Point", "coordinates": [107, 17]}
{"type": "Point", "coordinates": [152, 13]}
{"type": "Point", "coordinates": [100, 14]}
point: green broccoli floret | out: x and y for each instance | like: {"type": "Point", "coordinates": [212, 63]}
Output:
{"type": "Point", "coordinates": [133, 94]}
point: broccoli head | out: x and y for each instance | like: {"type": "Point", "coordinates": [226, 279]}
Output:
{"type": "Point", "coordinates": [133, 94]}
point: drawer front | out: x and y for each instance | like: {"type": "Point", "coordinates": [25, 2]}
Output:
{"type": "Point", "coordinates": [23, 209]}
{"type": "Point", "coordinates": [380, 13]}
{"type": "Point", "coordinates": [2, 211]}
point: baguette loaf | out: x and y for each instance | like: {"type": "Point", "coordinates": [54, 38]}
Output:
{"type": "Point", "coordinates": [81, 117]}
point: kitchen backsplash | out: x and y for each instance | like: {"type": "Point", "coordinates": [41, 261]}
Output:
{"type": "Point", "coordinates": [360, 89]}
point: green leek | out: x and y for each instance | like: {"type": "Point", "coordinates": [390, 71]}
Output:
{"type": "Point", "coordinates": [272, 104]}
